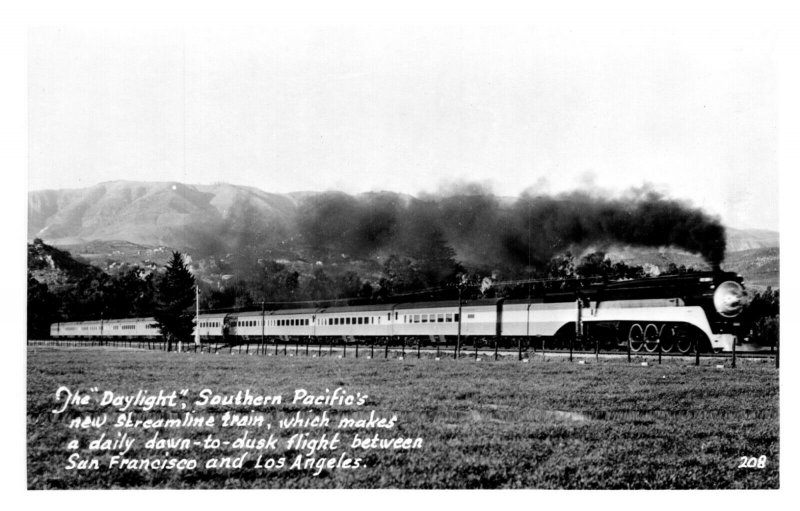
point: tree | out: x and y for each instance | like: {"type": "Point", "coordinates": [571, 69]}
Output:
{"type": "Point", "coordinates": [436, 262]}
{"type": "Point", "coordinates": [320, 285]}
{"type": "Point", "coordinates": [595, 264]}
{"type": "Point", "coordinates": [763, 313]}
{"type": "Point", "coordinates": [562, 267]}
{"type": "Point", "coordinates": [129, 293]}
{"type": "Point", "coordinates": [41, 309]}
{"type": "Point", "coordinates": [174, 299]}
{"type": "Point", "coordinates": [347, 285]}
{"type": "Point", "coordinates": [401, 275]}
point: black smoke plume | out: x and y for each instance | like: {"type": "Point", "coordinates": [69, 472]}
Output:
{"type": "Point", "coordinates": [486, 230]}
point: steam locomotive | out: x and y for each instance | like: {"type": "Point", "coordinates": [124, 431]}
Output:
{"type": "Point", "coordinates": [672, 313]}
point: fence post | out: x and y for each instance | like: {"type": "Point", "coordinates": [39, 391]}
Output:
{"type": "Point", "coordinates": [777, 351]}
{"type": "Point", "coordinates": [628, 347]}
{"type": "Point", "coordinates": [733, 359]}
{"type": "Point", "coordinates": [596, 348]}
{"type": "Point", "coordinates": [696, 352]}
{"type": "Point", "coordinates": [659, 350]}
{"type": "Point", "coordinates": [570, 348]}
{"type": "Point", "coordinates": [458, 338]}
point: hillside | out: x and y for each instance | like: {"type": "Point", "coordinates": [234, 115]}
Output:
{"type": "Point", "coordinates": [760, 267]}
{"type": "Point", "coordinates": [55, 267]}
{"type": "Point", "coordinates": [740, 240]}
{"type": "Point", "coordinates": [206, 219]}
{"type": "Point", "coordinates": [136, 222]}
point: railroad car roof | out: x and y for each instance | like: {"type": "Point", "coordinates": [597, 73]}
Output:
{"type": "Point", "coordinates": [246, 314]}
{"type": "Point", "coordinates": [481, 302]}
{"type": "Point", "coordinates": [257, 313]}
{"type": "Point", "coordinates": [448, 303]}
{"type": "Point", "coordinates": [382, 307]}
{"type": "Point", "coordinates": [523, 301]}
{"type": "Point", "coordinates": [290, 311]}
{"type": "Point", "coordinates": [427, 305]}
{"type": "Point", "coordinates": [105, 321]}
{"type": "Point", "coordinates": [129, 320]}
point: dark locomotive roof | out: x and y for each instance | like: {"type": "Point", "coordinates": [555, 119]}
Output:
{"type": "Point", "coordinates": [687, 285]}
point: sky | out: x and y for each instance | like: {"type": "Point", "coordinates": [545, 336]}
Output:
{"type": "Point", "coordinates": [687, 109]}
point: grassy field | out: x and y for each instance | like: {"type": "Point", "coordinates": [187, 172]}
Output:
{"type": "Point", "coordinates": [505, 424]}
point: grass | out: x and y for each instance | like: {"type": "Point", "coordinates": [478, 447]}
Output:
{"type": "Point", "coordinates": [504, 424]}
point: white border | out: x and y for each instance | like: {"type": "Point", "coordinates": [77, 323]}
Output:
{"type": "Point", "coordinates": [13, 41]}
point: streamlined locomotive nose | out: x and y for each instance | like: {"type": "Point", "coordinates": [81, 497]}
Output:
{"type": "Point", "coordinates": [729, 299]}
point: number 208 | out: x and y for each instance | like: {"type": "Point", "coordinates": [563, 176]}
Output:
{"type": "Point", "coordinates": [752, 462]}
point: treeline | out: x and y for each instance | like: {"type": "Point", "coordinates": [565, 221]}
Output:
{"type": "Point", "coordinates": [275, 283]}
{"type": "Point", "coordinates": [130, 293]}
{"type": "Point", "coordinates": [763, 314]}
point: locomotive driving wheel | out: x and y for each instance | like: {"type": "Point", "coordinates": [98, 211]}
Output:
{"type": "Point", "coordinates": [667, 337]}
{"type": "Point", "coordinates": [636, 337]}
{"type": "Point", "coordinates": [651, 338]}
{"type": "Point", "coordinates": [684, 341]}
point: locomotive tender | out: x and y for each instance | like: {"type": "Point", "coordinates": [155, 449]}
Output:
{"type": "Point", "coordinates": [672, 313]}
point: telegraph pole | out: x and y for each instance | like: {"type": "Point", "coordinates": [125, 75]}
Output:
{"type": "Point", "coordinates": [262, 327]}
{"type": "Point", "coordinates": [102, 310]}
{"type": "Point", "coordinates": [458, 339]}
{"type": "Point", "coordinates": [196, 315]}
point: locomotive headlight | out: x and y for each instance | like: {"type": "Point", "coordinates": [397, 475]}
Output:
{"type": "Point", "coordinates": [729, 299]}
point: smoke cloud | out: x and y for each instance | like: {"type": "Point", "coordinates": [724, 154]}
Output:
{"type": "Point", "coordinates": [486, 230]}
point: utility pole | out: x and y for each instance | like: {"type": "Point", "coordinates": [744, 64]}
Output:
{"type": "Point", "coordinates": [263, 321]}
{"type": "Point", "coordinates": [102, 310]}
{"type": "Point", "coordinates": [458, 339]}
{"type": "Point", "coordinates": [196, 315]}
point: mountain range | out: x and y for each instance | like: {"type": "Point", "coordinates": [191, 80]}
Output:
{"type": "Point", "coordinates": [208, 220]}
